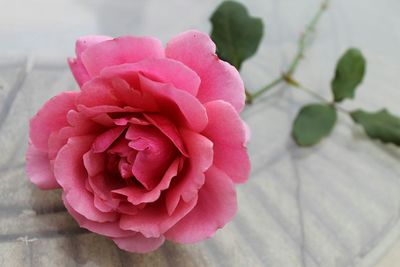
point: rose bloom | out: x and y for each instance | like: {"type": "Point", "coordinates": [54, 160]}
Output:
{"type": "Point", "coordinates": [152, 145]}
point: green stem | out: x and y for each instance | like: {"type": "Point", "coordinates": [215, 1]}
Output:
{"type": "Point", "coordinates": [312, 93]}
{"type": "Point", "coordinates": [267, 87]}
{"type": "Point", "coordinates": [310, 28]}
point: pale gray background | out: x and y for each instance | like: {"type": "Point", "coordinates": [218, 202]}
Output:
{"type": "Point", "coordinates": [333, 205]}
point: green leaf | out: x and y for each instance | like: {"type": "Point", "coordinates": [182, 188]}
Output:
{"type": "Point", "coordinates": [349, 74]}
{"type": "Point", "coordinates": [379, 125]}
{"type": "Point", "coordinates": [236, 34]}
{"type": "Point", "coordinates": [313, 123]}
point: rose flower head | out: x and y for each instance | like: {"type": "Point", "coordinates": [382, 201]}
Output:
{"type": "Point", "coordinates": [151, 146]}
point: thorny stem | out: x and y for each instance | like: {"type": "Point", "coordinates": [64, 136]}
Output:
{"type": "Point", "coordinates": [302, 43]}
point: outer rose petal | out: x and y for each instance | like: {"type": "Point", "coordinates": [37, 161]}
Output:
{"type": "Point", "coordinates": [109, 229]}
{"type": "Point", "coordinates": [219, 80]}
{"type": "Point", "coordinates": [70, 173]}
{"type": "Point", "coordinates": [138, 243]}
{"type": "Point", "coordinates": [39, 170]}
{"type": "Point", "coordinates": [51, 117]}
{"type": "Point", "coordinates": [153, 220]}
{"type": "Point", "coordinates": [77, 68]}
{"type": "Point", "coordinates": [215, 207]}
{"type": "Point", "coordinates": [125, 49]}
{"type": "Point", "coordinates": [85, 42]}
{"type": "Point", "coordinates": [78, 71]}
{"type": "Point", "coordinates": [229, 135]}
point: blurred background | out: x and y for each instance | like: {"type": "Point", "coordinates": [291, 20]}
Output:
{"type": "Point", "coordinates": [337, 204]}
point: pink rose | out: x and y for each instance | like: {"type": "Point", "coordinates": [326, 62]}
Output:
{"type": "Point", "coordinates": [152, 145]}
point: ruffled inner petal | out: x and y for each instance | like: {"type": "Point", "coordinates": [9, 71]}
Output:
{"type": "Point", "coordinates": [167, 128]}
{"type": "Point", "coordinates": [181, 107]}
{"type": "Point", "coordinates": [162, 70]}
{"type": "Point", "coordinates": [94, 162]}
{"type": "Point", "coordinates": [155, 154]}
{"type": "Point", "coordinates": [137, 195]}
{"type": "Point", "coordinates": [191, 178]}
{"type": "Point", "coordinates": [106, 139]}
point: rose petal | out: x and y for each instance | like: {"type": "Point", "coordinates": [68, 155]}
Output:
{"type": "Point", "coordinates": [219, 80]}
{"type": "Point", "coordinates": [80, 125]}
{"type": "Point", "coordinates": [78, 69]}
{"type": "Point", "coordinates": [191, 179]}
{"type": "Point", "coordinates": [215, 207]}
{"type": "Point", "coordinates": [94, 162]}
{"type": "Point", "coordinates": [87, 41]}
{"type": "Point", "coordinates": [138, 243]}
{"type": "Point", "coordinates": [163, 70]}
{"type": "Point", "coordinates": [39, 170]}
{"type": "Point", "coordinates": [167, 128]}
{"type": "Point", "coordinates": [121, 148]}
{"type": "Point", "coordinates": [125, 49]}
{"type": "Point", "coordinates": [155, 154]}
{"type": "Point", "coordinates": [101, 109]}
{"type": "Point", "coordinates": [71, 175]}
{"type": "Point", "coordinates": [106, 139]}
{"type": "Point", "coordinates": [115, 92]}
{"type": "Point", "coordinates": [130, 119]}
{"type": "Point", "coordinates": [228, 133]}
{"type": "Point", "coordinates": [176, 104]}
{"type": "Point", "coordinates": [103, 205]}
{"type": "Point", "coordinates": [127, 208]}
{"type": "Point", "coordinates": [97, 92]}
{"type": "Point", "coordinates": [102, 186]}
{"type": "Point", "coordinates": [51, 117]}
{"type": "Point", "coordinates": [122, 90]}
{"type": "Point", "coordinates": [109, 229]}
{"type": "Point", "coordinates": [137, 196]}
{"type": "Point", "coordinates": [153, 220]}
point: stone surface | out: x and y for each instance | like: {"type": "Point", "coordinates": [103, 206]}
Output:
{"type": "Point", "coordinates": [336, 204]}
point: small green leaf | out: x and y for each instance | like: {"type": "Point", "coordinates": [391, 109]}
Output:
{"type": "Point", "coordinates": [349, 74]}
{"type": "Point", "coordinates": [236, 34]}
{"type": "Point", "coordinates": [379, 125]}
{"type": "Point", "coordinates": [313, 123]}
